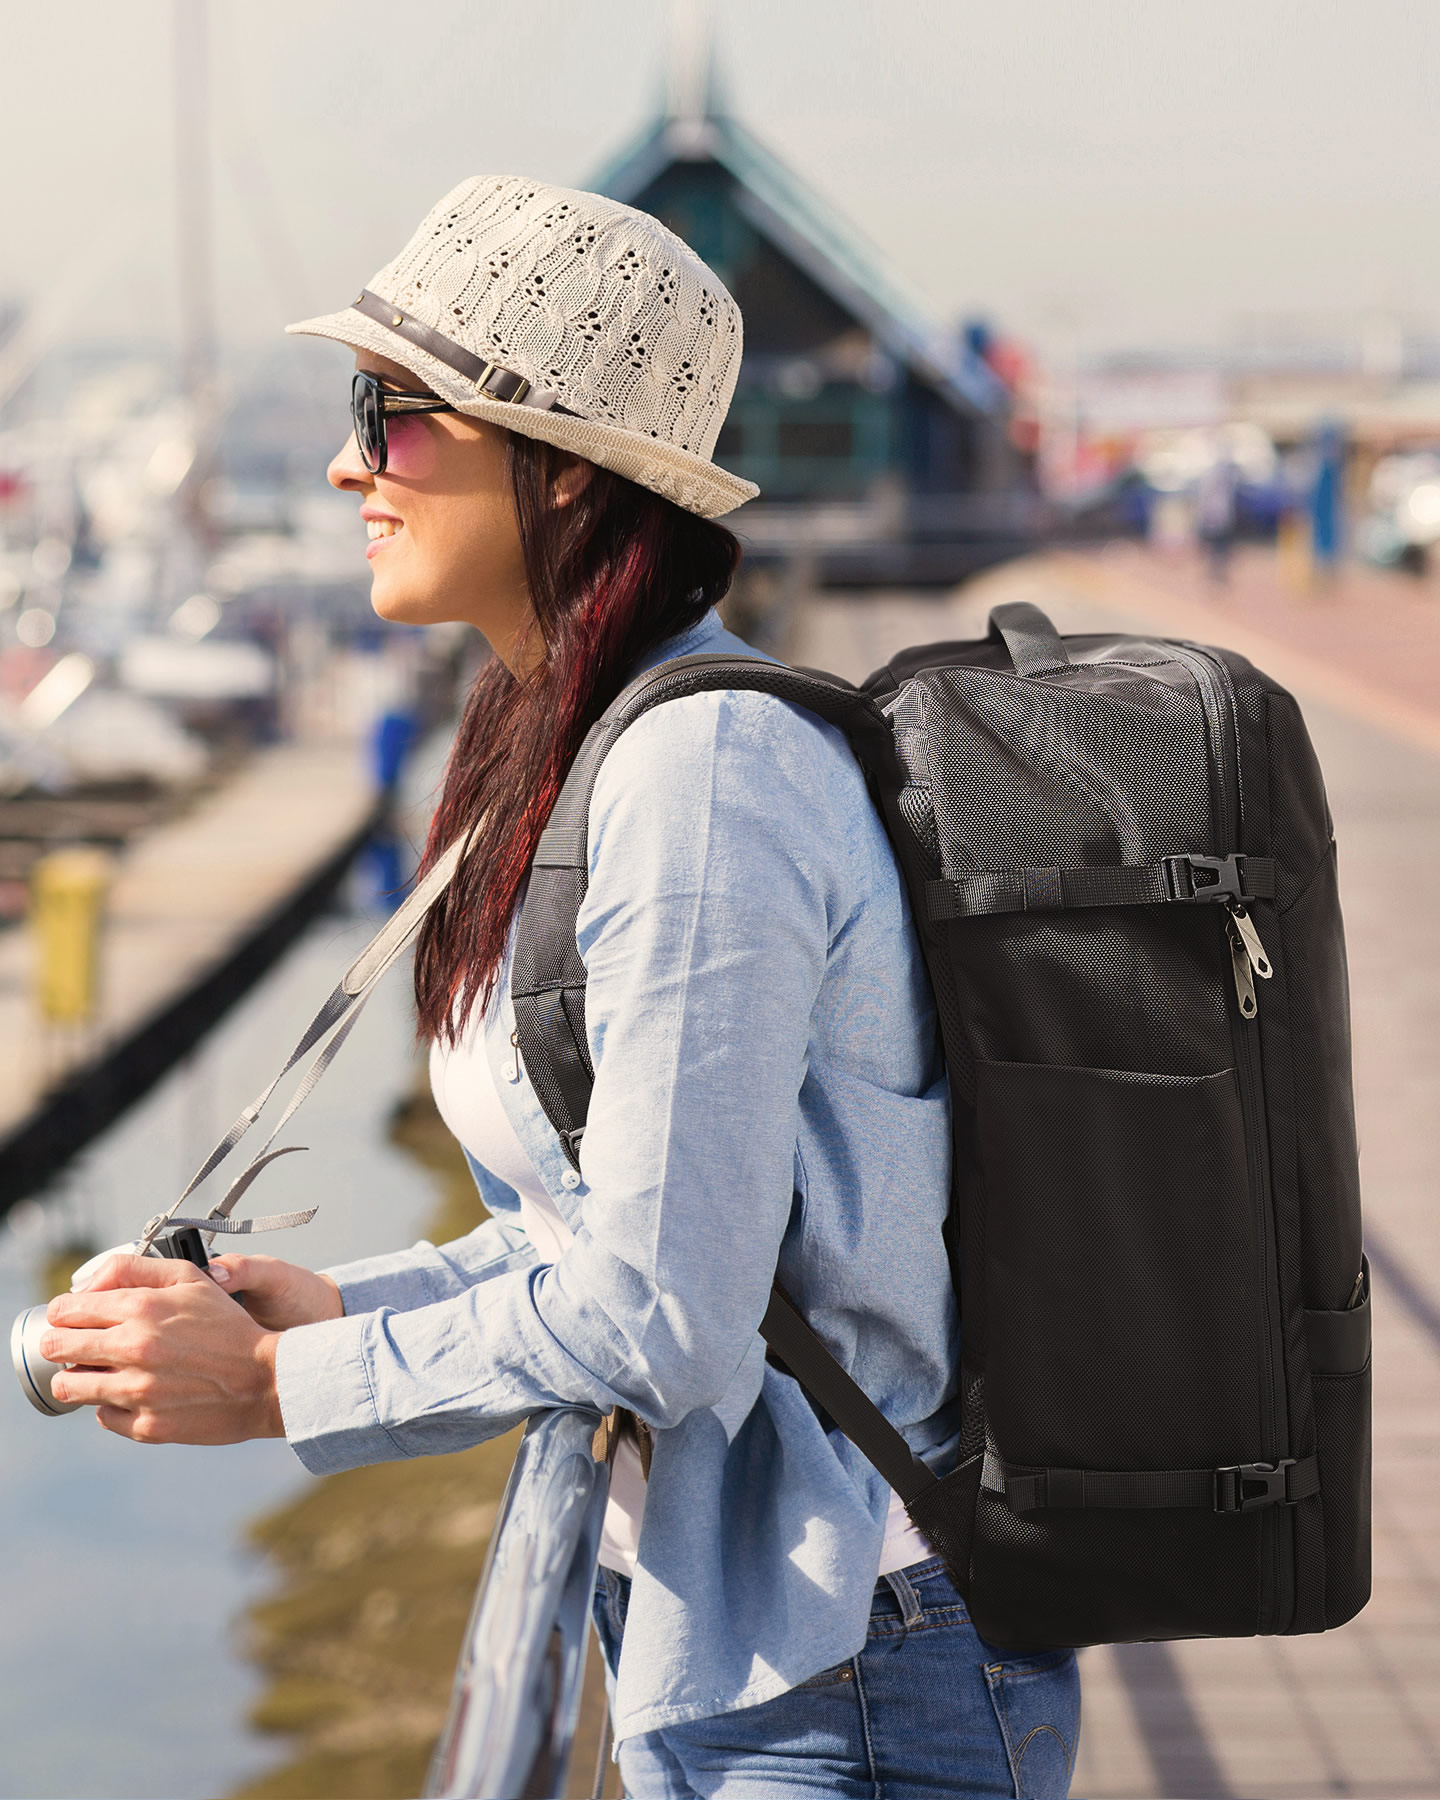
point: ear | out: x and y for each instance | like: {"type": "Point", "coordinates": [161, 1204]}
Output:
{"type": "Point", "coordinates": [571, 482]}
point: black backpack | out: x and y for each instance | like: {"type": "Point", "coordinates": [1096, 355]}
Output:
{"type": "Point", "coordinates": [1121, 865]}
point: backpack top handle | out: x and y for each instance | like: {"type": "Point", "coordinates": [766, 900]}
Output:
{"type": "Point", "coordinates": [1035, 646]}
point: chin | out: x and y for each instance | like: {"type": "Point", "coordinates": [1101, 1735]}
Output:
{"type": "Point", "coordinates": [399, 605]}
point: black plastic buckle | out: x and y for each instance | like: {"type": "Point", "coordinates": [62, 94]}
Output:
{"type": "Point", "coordinates": [1248, 1486]}
{"type": "Point", "coordinates": [1204, 878]}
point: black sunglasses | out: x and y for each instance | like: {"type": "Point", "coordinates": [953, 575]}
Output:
{"type": "Point", "coordinates": [370, 403]}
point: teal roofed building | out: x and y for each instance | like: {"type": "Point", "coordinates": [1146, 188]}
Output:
{"type": "Point", "coordinates": [878, 460]}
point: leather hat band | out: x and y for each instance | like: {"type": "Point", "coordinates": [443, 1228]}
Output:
{"type": "Point", "coordinates": [490, 380]}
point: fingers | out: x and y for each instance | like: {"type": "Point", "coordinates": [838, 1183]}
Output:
{"type": "Point", "coordinates": [97, 1349]}
{"type": "Point", "coordinates": [140, 1427]}
{"type": "Point", "coordinates": [275, 1293]}
{"type": "Point", "coordinates": [115, 1292]}
{"type": "Point", "coordinates": [141, 1272]}
{"type": "Point", "coordinates": [176, 1363]}
{"type": "Point", "coordinates": [97, 1387]}
{"type": "Point", "coordinates": [236, 1271]}
{"type": "Point", "coordinates": [255, 1274]}
{"type": "Point", "coordinates": [77, 1311]}
{"type": "Point", "coordinates": [100, 1275]}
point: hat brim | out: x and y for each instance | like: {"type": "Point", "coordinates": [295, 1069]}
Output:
{"type": "Point", "coordinates": [679, 475]}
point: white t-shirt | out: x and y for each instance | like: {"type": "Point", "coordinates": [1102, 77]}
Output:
{"type": "Point", "coordinates": [467, 1100]}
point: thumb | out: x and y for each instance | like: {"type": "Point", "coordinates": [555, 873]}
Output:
{"type": "Point", "coordinates": [121, 1271]}
{"type": "Point", "coordinates": [255, 1274]}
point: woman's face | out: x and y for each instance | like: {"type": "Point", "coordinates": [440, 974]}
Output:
{"type": "Point", "coordinates": [444, 540]}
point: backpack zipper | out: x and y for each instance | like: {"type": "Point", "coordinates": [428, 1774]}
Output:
{"type": "Point", "coordinates": [1241, 969]}
{"type": "Point", "coordinates": [1248, 959]}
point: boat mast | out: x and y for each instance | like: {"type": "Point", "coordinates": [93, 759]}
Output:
{"type": "Point", "coordinates": [195, 253]}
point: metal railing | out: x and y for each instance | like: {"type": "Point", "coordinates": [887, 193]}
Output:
{"type": "Point", "coordinates": [516, 1699]}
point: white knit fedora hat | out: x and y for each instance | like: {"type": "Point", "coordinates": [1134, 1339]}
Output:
{"type": "Point", "coordinates": [567, 317]}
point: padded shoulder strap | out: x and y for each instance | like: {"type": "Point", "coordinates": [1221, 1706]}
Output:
{"type": "Point", "coordinates": [548, 980]}
{"type": "Point", "coordinates": [548, 983]}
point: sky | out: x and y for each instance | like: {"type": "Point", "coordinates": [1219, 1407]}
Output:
{"type": "Point", "coordinates": [1088, 173]}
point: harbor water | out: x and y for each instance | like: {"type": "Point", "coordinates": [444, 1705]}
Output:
{"type": "Point", "coordinates": [126, 1570]}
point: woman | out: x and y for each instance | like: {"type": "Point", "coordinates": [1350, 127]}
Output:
{"type": "Point", "coordinates": [541, 378]}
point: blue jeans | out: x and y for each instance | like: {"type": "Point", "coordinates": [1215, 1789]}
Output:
{"type": "Point", "coordinates": [926, 1709]}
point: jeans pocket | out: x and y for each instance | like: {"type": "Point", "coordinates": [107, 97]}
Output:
{"type": "Point", "coordinates": [1037, 1706]}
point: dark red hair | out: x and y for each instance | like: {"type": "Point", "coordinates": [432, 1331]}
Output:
{"type": "Point", "coordinates": [611, 574]}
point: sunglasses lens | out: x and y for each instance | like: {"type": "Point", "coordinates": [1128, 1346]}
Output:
{"type": "Point", "coordinates": [368, 413]}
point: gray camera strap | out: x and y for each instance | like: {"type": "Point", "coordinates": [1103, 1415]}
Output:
{"type": "Point", "coordinates": [329, 1028]}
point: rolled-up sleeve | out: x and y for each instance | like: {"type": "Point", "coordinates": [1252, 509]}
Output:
{"type": "Point", "coordinates": [712, 904]}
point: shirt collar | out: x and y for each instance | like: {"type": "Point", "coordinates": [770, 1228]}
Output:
{"type": "Point", "coordinates": [689, 643]}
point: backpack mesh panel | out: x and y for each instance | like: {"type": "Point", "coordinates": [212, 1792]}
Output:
{"type": "Point", "coordinates": [1030, 774]}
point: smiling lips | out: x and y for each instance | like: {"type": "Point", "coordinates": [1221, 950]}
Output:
{"type": "Point", "coordinates": [379, 527]}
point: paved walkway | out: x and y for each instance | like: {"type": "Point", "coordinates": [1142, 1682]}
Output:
{"type": "Point", "coordinates": [1356, 1711]}
{"type": "Point", "coordinates": [184, 896]}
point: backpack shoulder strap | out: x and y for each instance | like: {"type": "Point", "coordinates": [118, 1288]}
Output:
{"type": "Point", "coordinates": [548, 983]}
{"type": "Point", "coordinates": [548, 978]}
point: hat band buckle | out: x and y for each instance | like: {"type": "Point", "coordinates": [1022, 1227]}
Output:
{"type": "Point", "coordinates": [491, 381]}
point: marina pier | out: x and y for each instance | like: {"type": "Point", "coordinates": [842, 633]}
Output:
{"type": "Point", "coordinates": [199, 909]}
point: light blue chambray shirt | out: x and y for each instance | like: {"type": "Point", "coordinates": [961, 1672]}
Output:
{"type": "Point", "coordinates": [767, 1089]}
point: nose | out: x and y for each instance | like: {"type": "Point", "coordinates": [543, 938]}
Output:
{"type": "Point", "coordinates": [347, 472]}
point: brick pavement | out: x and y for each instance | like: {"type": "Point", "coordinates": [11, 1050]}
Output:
{"type": "Point", "coordinates": [1357, 1711]}
{"type": "Point", "coordinates": [1376, 632]}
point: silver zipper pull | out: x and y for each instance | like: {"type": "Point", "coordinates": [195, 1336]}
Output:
{"type": "Point", "coordinates": [1259, 961]}
{"type": "Point", "coordinates": [512, 1074]}
{"type": "Point", "coordinates": [1240, 963]}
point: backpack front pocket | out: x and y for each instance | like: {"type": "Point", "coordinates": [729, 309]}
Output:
{"type": "Point", "coordinates": [1124, 1326]}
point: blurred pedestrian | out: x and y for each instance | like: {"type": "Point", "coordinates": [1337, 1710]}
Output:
{"type": "Point", "coordinates": [1216, 512]}
{"type": "Point", "coordinates": [1327, 498]}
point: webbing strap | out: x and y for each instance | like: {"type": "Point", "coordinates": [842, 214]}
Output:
{"type": "Point", "coordinates": [1035, 646]}
{"type": "Point", "coordinates": [243, 1227]}
{"type": "Point", "coordinates": [1239, 1488]}
{"type": "Point", "coordinates": [818, 1372]}
{"type": "Point", "coordinates": [561, 847]}
{"type": "Point", "coordinates": [1170, 881]}
{"type": "Point", "coordinates": [337, 1016]}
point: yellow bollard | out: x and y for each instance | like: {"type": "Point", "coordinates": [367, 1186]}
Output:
{"type": "Point", "coordinates": [67, 898]}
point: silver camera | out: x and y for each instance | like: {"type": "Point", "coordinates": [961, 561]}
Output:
{"type": "Point", "coordinates": [32, 1370]}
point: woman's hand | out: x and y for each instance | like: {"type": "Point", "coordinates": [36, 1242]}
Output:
{"type": "Point", "coordinates": [278, 1294]}
{"type": "Point", "coordinates": [165, 1355]}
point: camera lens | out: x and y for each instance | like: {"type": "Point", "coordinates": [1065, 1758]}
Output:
{"type": "Point", "coordinates": [34, 1372]}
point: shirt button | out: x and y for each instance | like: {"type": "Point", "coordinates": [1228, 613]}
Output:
{"type": "Point", "coordinates": [570, 1179]}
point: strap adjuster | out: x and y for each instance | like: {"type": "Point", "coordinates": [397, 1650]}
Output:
{"type": "Point", "coordinates": [1246, 1487]}
{"type": "Point", "coordinates": [1205, 878]}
